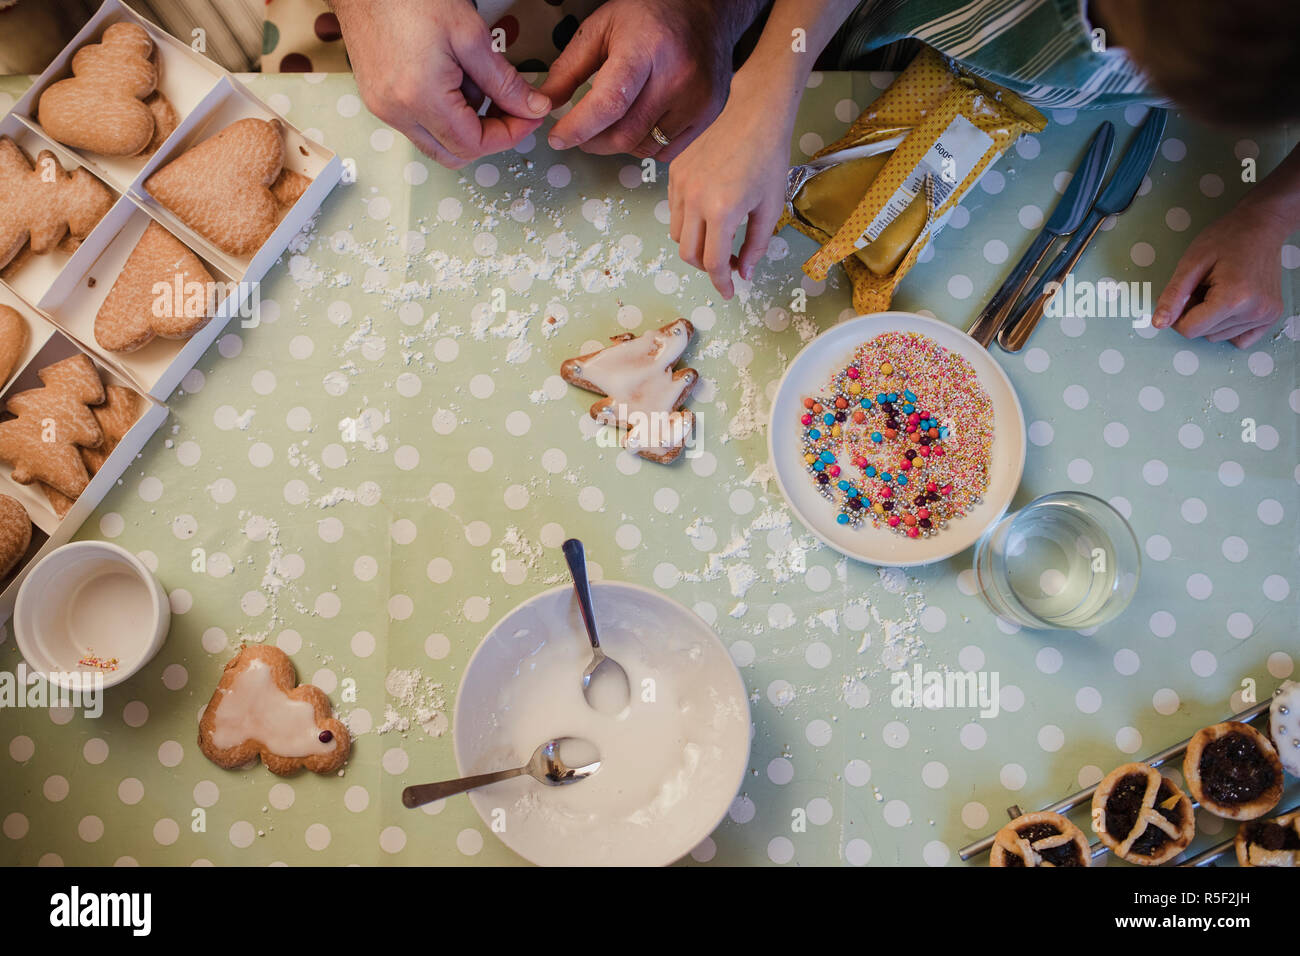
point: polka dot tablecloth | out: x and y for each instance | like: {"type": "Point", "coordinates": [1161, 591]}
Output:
{"type": "Point", "coordinates": [389, 462]}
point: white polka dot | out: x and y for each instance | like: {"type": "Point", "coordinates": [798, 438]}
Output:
{"type": "Point", "coordinates": [973, 736]}
{"type": "Point", "coordinates": [1204, 663]}
{"type": "Point", "coordinates": [1270, 512]}
{"type": "Point", "coordinates": [1193, 510]}
{"type": "Point", "coordinates": [1088, 700]}
{"type": "Point", "coordinates": [317, 836]}
{"type": "Point", "coordinates": [1199, 586]}
{"type": "Point", "coordinates": [897, 813]}
{"type": "Point", "coordinates": [1276, 587]}
{"type": "Point", "coordinates": [1231, 474]}
{"type": "Point", "coordinates": [857, 773]}
{"type": "Point", "coordinates": [1151, 398]}
{"type": "Point", "coordinates": [1128, 740]}
{"type": "Point", "coordinates": [1051, 738]}
{"type": "Point", "coordinates": [1143, 254]}
{"type": "Point", "coordinates": [1165, 701]}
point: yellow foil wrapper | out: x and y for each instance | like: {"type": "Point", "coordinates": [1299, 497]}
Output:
{"type": "Point", "coordinates": [908, 159]}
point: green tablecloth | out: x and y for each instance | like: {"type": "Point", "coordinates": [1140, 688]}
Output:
{"type": "Point", "coordinates": [362, 467]}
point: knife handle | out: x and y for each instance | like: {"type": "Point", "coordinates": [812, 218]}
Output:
{"type": "Point", "coordinates": [990, 321]}
{"type": "Point", "coordinates": [1014, 336]}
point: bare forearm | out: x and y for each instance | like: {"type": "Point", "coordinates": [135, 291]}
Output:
{"type": "Point", "coordinates": [1277, 197]}
{"type": "Point", "coordinates": [795, 34]}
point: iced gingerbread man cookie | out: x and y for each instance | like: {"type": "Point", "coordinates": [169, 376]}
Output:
{"type": "Point", "coordinates": [1284, 725]}
{"type": "Point", "coordinates": [644, 395]}
{"type": "Point", "coordinates": [260, 710]}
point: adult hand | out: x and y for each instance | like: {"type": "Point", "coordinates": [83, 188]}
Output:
{"type": "Point", "coordinates": [1231, 277]}
{"type": "Point", "coordinates": [735, 170]}
{"type": "Point", "coordinates": [424, 66]}
{"type": "Point", "coordinates": [664, 63]}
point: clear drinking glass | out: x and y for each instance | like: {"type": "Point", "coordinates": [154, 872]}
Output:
{"type": "Point", "coordinates": [1066, 561]}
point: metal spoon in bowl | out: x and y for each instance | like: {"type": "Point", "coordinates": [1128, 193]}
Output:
{"type": "Point", "coordinates": [545, 765]}
{"type": "Point", "coordinates": [603, 671]}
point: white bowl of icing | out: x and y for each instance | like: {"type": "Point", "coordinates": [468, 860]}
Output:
{"type": "Point", "coordinates": [671, 762]}
{"type": "Point", "coordinates": [90, 599]}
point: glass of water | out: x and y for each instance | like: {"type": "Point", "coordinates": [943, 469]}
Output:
{"type": "Point", "coordinates": [1066, 561]}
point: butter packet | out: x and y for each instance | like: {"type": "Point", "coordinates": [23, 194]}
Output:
{"type": "Point", "coordinates": [877, 196]}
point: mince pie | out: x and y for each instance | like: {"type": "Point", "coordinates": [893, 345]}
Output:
{"type": "Point", "coordinates": [1040, 839]}
{"type": "Point", "coordinates": [1284, 725]}
{"type": "Point", "coordinates": [1273, 842]}
{"type": "Point", "coordinates": [1233, 771]}
{"type": "Point", "coordinates": [1141, 815]}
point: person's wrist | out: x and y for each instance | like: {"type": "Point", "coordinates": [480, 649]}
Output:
{"type": "Point", "coordinates": [1274, 217]}
{"type": "Point", "coordinates": [760, 93]}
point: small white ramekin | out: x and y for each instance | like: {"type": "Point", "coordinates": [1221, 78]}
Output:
{"type": "Point", "coordinates": [90, 597]}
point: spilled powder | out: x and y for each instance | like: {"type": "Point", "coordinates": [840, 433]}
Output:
{"type": "Point", "coordinates": [414, 700]}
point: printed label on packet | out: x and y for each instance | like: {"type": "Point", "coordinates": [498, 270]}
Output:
{"type": "Point", "coordinates": [948, 162]}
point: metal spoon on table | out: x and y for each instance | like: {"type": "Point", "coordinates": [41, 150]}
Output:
{"type": "Point", "coordinates": [602, 670]}
{"type": "Point", "coordinates": [545, 765]}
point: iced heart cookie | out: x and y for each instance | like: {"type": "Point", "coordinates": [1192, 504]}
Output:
{"type": "Point", "coordinates": [221, 188]}
{"type": "Point", "coordinates": [53, 423]}
{"type": "Point", "coordinates": [13, 340]}
{"type": "Point", "coordinates": [42, 205]}
{"type": "Point", "coordinates": [1284, 725]}
{"type": "Point", "coordinates": [119, 412]}
{"type": "Point", "coordinates": [643, 393]}
{"type": "Point", "coordinates": [15, 533]}
{"type": "Point", "coordinates": [260, 710]}
{"type": "Point", "coordinates": [101, 107]}
{"type": "Point", "coordinates": [135, 311]}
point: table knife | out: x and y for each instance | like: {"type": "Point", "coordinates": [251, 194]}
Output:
{"type": "Point", "coordinates": [1065, 219]}
{"type": "Point", "coordinates": [1114, 199]}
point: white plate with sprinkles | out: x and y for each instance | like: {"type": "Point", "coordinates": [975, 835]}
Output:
{"type": "Point", "coordinates": [897, 439]}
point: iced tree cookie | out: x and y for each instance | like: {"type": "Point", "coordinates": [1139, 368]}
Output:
{"type": "Point", "coordinates": [643, 393]}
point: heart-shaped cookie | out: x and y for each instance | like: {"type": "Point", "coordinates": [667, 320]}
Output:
{"type": "Point", "coordinates": [221, 188]}
{"type": "Point", "coordinates": [154, 294]}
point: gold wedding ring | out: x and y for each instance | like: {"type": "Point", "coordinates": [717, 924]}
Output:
{"type": "Point", "coordinates": [658, 136]}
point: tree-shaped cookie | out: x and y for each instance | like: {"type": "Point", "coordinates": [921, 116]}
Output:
{"type": "Point", "coordinates": [643, 393]}
{"type": "Point", "coordinates": [43, 204]}
{"type": "Point", "coordinates": [221, 188]}
{"type": "Point", "coordinates": [134, 311]}
{"type": "Point", "coordinates": [53, 423]}
{"type": "Point", "coordinates": [259, 709]}
{"type": "Point", "coordinates": [119, 412]}
{"type": "Point", "coordinates": [101, 107]}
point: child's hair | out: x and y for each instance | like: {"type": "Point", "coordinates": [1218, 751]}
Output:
{"type": "Point", "coordinates": [1231, 61]}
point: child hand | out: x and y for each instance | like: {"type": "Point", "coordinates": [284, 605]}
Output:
{"type": "Point", "coordinates": [1228, 284]}
{"type": "Point", "coordinates": [735, 170]}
